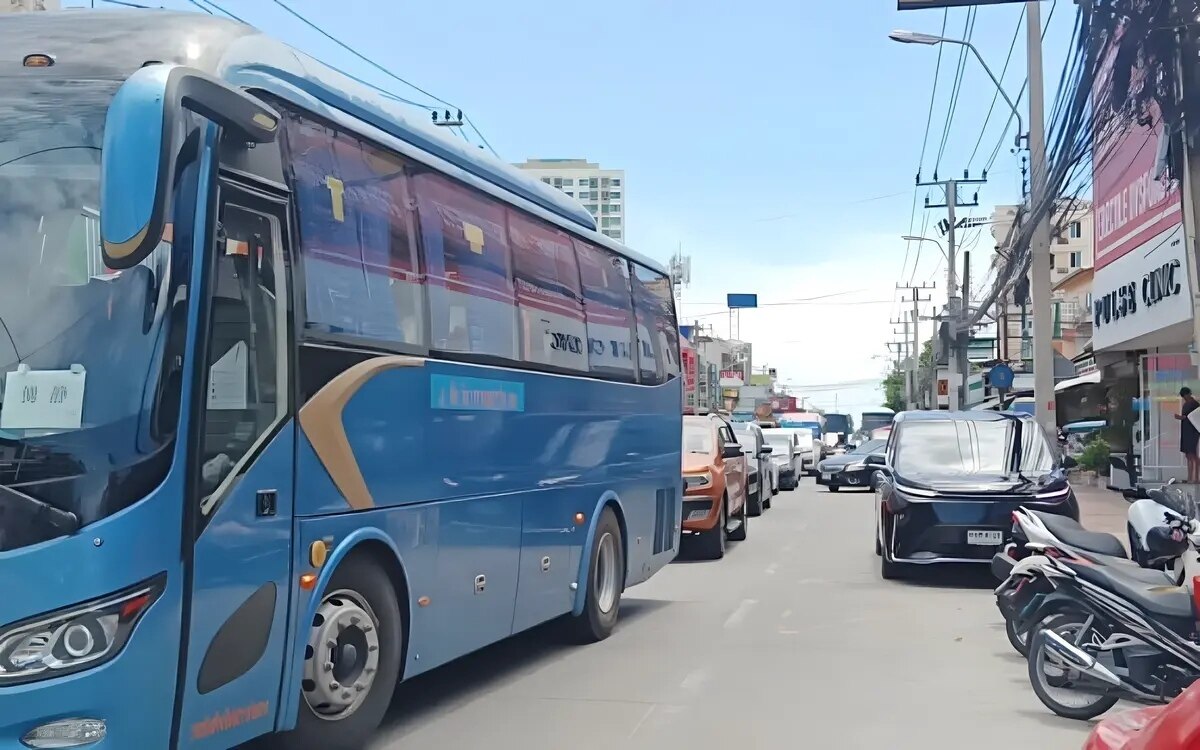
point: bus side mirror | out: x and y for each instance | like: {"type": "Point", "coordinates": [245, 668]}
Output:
{"type": "Point", "coordinates": [143, 132]}
{"type": "Point", "coordinates": [1069, 462]}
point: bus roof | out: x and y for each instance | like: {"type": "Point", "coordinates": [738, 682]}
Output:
{"type": "Point", "coordinates": [228, 48]}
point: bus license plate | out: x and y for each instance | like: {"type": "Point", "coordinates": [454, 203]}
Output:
{"type": "Point", "coordinates": [986, 538]}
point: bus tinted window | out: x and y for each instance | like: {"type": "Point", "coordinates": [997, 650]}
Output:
{"type": "Point", "coordinates": [608, 308]}
{"type": "Point", "coordinates": [657, 334]}
{"type": "Point", "coordinates": [549, 304]}
{"type": "Point", "coordinates": [357, 238]}
{"type": "Point", "coordinates": [472, 305]}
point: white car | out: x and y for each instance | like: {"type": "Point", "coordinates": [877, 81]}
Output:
{"type": "Point", "coordinates": [786, 458]}
{"type": "Point", "coordinates": [757, 451]}
{"type": "Point", "coordinates": [809, 448]}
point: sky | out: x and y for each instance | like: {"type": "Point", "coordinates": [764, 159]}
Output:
{"type": "Point", "coordinates": [774, 142]}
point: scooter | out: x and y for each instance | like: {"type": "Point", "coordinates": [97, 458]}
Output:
{"type": "Point", "coordinates": [1104, 637]}
{"type": "Point", "coordinates": [1034, 532]}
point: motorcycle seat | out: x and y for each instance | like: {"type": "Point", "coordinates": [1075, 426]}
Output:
{"type": "Point", "coordinates": [1165, 601]}
{"type": "Point", "coordinates": [1071, 533]}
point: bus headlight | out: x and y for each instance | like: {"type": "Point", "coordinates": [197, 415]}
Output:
{"type": "Point", "coordinates": [75, 638]}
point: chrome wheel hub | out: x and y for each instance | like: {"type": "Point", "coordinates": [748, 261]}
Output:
{"type": "Point", "coordinates": [342, 658]}
{"type": "Point", "coordinates": [606, 573]}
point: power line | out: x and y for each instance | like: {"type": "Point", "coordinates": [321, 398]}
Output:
{"type": "Point", "coordinates": [968, 32]}
{"type": "Point", "coordinates": [996, 93]}
{"type": "Point", "coordinates": [1020, 95]}
{"type": "Point", "coordinates": [937, 71]}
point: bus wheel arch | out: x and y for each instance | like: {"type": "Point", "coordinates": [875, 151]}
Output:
{"type": "Point", "coordinates": [353, 645]}
{"type": "Point", "coordinates": [606, 544]}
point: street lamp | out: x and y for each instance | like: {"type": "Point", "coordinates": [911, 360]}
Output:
{"type": "Point", "coordinates": [916, 37]}
{"type": "Point", "coordinates": [914, 238]}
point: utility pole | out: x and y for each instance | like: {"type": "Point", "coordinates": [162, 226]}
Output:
{"type": "Point", "coordinates": [1039, 251]}
{"type": "Point", "coordinates": [908, 375]}
{"type": "Point", "coordinates": [913, 363]}
{"type": "Point", "coordinates": [956, 308]}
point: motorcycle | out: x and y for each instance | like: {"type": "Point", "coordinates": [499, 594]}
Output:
{"type": "Point", "coordinates": [1034, 532]}
{"type": "Point", "coordinates": [1103, 635]}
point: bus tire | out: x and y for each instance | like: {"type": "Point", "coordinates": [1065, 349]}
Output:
{"type": "Point", "coordinates": [359, 592]}
{"type": "Point", "coordinates": [606, 581]}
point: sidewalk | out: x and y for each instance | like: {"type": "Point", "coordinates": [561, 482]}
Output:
{"type": "Point", "coordinates": [1102, 509]}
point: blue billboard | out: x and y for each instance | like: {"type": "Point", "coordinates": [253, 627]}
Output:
{"type": "Point", "coordinates": [741, 300]}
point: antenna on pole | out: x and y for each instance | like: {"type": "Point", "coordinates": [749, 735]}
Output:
{"type": "Point", "coordinates": [680, 267]}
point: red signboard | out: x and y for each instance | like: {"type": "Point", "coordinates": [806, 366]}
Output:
{"type": "Point", "coordinates": [688, 357]}
{"type": "Point", "coordinates": [1131, 205]}
{"type": "Point", "coordinates": [783, 404]}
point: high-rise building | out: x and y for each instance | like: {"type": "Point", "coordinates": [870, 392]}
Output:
{"type": "Point", "coordinates": [601, 191]}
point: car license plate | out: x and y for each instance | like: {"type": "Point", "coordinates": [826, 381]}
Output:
{"type": "Point", "coordinates": [986, 538]}
{"type": "Point", "coordinates": [826, 476]}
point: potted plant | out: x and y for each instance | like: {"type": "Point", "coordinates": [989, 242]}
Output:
{"type": "Point", "coordinates": [1094, 459]}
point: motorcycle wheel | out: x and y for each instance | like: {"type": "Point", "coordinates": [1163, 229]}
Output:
{"type": "Point", "coordinates": [1053, 690]}
{"type": "Point", "coordinates": [1019, 642]}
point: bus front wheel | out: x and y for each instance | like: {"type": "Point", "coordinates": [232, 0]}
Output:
{"type": "Point", "coordinates": [351, 661]}
{"type": "Point", "coordinates": [606, 581]}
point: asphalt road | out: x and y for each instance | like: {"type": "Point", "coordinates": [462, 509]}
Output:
{"type": "Point", "coordinates": [791, 641]}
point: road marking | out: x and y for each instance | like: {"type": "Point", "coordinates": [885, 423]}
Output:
{"type": "Point", "coordinates": [771, 568]}
{"type": "Point", "coordinates": [740, 613]}
{"type": "Point", "coordinates": [642, 721]}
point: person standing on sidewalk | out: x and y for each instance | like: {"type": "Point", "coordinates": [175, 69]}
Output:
{"type": "Point", "coordinates": [1189, 436]}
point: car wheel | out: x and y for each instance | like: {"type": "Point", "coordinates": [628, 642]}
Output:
{"type": "Point", "coordinates": [755, 502]}
{"type": "Point", "coordinates": [739, 534]}
{"type": "Point", "coordinates": [767, 502]}
{"type": "Point", "coordinates": [834, 488]}
{"type": "Point", "coordinates": [712, 542]}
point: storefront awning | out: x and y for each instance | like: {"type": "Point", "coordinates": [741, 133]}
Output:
{"type": "Point", "coordinates": [1090, 379]}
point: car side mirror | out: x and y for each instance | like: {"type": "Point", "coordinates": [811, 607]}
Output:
{"type": "Point", "coordinates": [1069, 462]}
{"type": "Point", "coordinates": [143, 134]}
{"type": "Point", "coordinates": [731, 451]}
{"type": "Point", "coordinates": [874, 460]}
{"type": "Point", "coordinates": [766, 450]}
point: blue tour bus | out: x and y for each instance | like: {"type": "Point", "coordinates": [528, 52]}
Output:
{"type": "Point", "coordinates": [300, 397]}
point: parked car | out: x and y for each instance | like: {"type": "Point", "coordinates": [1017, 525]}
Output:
{"type": "Point", "coordinates": [714, 482]}
{"type": "Point", "coordinates": [949, 482]}
{"type": "Point", "coordinates": [850, 469]}
{"type": "Point", "coordinates": [758, 463]}
{"type": "Point", "coordinates": [786, 456]}
{"type": "Point", "coordinates": [810, 448]}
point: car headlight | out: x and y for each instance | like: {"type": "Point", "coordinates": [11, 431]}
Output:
{"type": "Point", "coordinates": [75, 638]}
{"type": "Point", "coordinates": [696, 481]}
{"type": "Point", "coordinates": [855, 467]}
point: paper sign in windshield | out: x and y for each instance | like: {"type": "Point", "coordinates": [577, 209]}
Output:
{"type": "Point", "coordinates": [228, 378]}
{"type": "Point", "coordinates": [43, 399]}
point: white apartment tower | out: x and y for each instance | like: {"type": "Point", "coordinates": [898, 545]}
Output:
{"type": "Point", "coordinates": [601, 191]}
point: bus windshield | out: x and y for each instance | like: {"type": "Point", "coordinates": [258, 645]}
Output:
{"type": "Point", "coordinates": [79, 344]}
{"type": "Point", "coordinates": [872, 421]}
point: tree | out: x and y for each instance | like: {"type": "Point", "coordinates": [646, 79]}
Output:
{"type": "Point", "coordinates": [894, 396]}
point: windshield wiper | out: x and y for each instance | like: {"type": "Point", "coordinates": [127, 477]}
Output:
{"type": "Point", "coordinates": [25, 520]}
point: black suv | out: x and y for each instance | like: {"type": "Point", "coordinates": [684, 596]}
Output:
{"type": "Point", "coordinates": [949, 482]}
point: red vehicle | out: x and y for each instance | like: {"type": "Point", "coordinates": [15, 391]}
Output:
{"type": "Point", "coordinates": [1175, 726]}
{"type": "Point", "coordinates": [714, 482]}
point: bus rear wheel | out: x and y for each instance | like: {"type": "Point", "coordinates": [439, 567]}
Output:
{"type": "Point", "coordinates": [351, 661]}
{"type": "Point", "coordinates": [606, 582]}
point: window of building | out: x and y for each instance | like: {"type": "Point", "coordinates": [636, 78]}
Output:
{"type": "Point", "coordinates": [604, 181]}
{"type": "Point", "coordinates": [616, 182]}
{"type": "Point", "coordinates": [1076, 259]}
{"type": "Point", "coordinates": [591, 207]}
{"type": "Point", "coordinates": [608, 309]}
{"type": "Point", "coordinates": [584, 195]}
{"type": "Point", "coordinates": [614, 233]}
{"type": "Point", "coordinates": [615, 195]}
{"type": "Point", "coordinates": [593, 182]}
{"type": "Point", "coordinates": [569, 193]}
{"type": "Point", "coordinates": [568, 181]}
{"type": "Point", "coordinates": [606, 221]}
{"type": "Point", "coordinates": [657, 334]}
{"type": "Point", "coordinates": [604, 208]}
{"type": "Point", "coordinates": [357, 239]}
{"type": "Point", "coordinates": [558, 182]}
{"type": "Point", "coordinates": [472, 303]}
{"type": "Point", "coordinates": [549, 301]}
{"type": "Point", "coordinates": [1075, 230]}
{"type": "Point", "coordinates": [546, 180]}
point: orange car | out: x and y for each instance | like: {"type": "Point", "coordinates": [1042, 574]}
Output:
{"type": "Point", "coordinates": [714, 482]}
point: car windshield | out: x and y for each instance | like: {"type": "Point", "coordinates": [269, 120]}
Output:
{"type": "Point", "coordinates": [871, 446]}
{"type": "Point", "coordinates": [957, 446]}
{"type": "Point", "coordinates": [84, 422]}
{"type": "Point", "coordinates": [697, 437]}
{"type": "Point", "coordinates": [779, 441]}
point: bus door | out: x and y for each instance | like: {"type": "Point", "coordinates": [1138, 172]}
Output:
{"type": "Point", "coordinates": [243, 449]}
